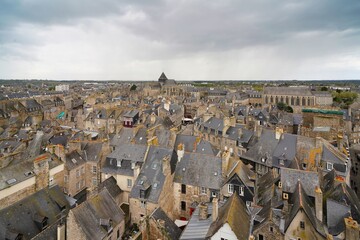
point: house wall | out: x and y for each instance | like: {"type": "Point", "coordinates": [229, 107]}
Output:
{"type": "Point", "coordinates": [122, 183]}
{"type": "Point", "coordinates": [267, 233]}
{"type": "Point", "coordinates": [16, 192]}
{"type": "Point", "coordinates": [294, 231]}
{"type": "Point", "coordinates": [193, 194]}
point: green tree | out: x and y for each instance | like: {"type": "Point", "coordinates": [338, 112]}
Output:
{"type": "Point", "coordinates": [133, 87]}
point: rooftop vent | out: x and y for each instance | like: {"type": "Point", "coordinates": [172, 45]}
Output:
{"type": "Point", "coordinates": [11, 181]}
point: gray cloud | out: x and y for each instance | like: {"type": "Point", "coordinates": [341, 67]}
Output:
{"type": "Point", "coordinates": [294, 31]}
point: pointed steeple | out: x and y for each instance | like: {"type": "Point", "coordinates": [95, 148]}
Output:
{"type": "Point", "coordinates": [162, 77]}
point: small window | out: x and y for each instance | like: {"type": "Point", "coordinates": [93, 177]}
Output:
{"type": "Point", "coordinates": [94, 181]}
{"type": "Point", "coordinates": [118, 163]}
{"type": "Point", "coordinates": [230, 188]}
{"type": "Point", "coordinates": [78, 186]}
{"type": "Point", "coordinates": [329, 166]}
{"type": "Point", "coordinates": [241, 193]}
{"type": "Point", "coordinates": [78, 173]}
{"type": "Point", "coordinates": [183, 188]}
{"type": "Point", "coordinates": [203, 190]}
{"type": "Point", "coordinates": [261, 237]}
{"type": "Point", "coordinates": [271, 229]}
{"type": "Point", "coordinates": [183, 205]}
{"type": "Point", "coordinates": [285, 196]}
{"type": "Point", "coordinates": [213, 194]}
{"type": "Point", "coordinates": [302, 224]}
{"type": "Point", "coordinates": [65, 178]}
{"type": "Point", "coordinates": [280, 185]}
{"type": "Point", "coordinates": [129, 183]}
{"type": "Point", "coordinates": [143, 204]}
{"type": "Point", "coordinates": [94, 169]}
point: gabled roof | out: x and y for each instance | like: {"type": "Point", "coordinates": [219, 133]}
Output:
{"type": "Point", "coordinates": [233, 212]}
{"type": "Point", "coordinates": [300, 201]}
{"type": "Point", "coordinates": [172, 231]}
{"type": "Point", "coordinates": [151, 177]}
{"type": "Point", "coordinates": [199, 170]}
{"type": "Point", "coordinates": [342, 193]}
{"type": "Point", "coordinates": [162, 77]}
{"type": "Point", "coordinates": [19, 217]}
{"type": "Point", "coordinates": [90, 213]}
{"type": "Point", "coordinates": [290, 178]}
{"type": "Point", "coordinates": [111, 185]}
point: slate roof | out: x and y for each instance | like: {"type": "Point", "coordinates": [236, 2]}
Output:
{"type": "Point", "coordinates": [128, 154]}
{"type": "Point", "coordinates": [195, 144]}
{"type": "Point", "coordinates": [290, 177]}
{"type": "Point", "coordinates": [172, 231]}
{"type": "Point", "coordinates": [199, 170]}
{"type": "Point", "coordinates": [111, 185]}
{"type": "Point", "coordinates": [131, 113]}
{"type": "Point", "coordinates": [92, 152]}
{"type": "Point", "coordinates": [17, 171]}
{"type": "Point", "coordinates": [292, 91]}
{"type": "Point", "coordinates": [151, 176]}
{"type": "Point", "coordinates": [335, 214]}
{"type": "Point", "coordinates": [264, 190]}
{"type": "Point", "coordinates": [285, 150]}
{"type": "Point", "coordinates": [233, 212]}
{"type": "Point", "coordinates": [197, 229]}
{"type": "Point", "coordinates": [59, 139]}
{"type": "Point", "coordinates": [74, 160]}
{"type": "Point", "coordinates": [19, 217]}
{"type": "Point", "coordinates": [125, 136]}
{"type": "Point", "coordinates": [262, 151]}
{"type": "Point", "coordinates": [342, 193]}
{"type": "Point", "coordinates": [214, 124]}
{"type": "Point", "coordinates": [162, 77]}
{"type": "Point", "coordinates": [89, 213]}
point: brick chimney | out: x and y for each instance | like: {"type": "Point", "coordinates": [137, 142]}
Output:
{"type": "Point", "coordinates": [203, 211]}
{"type": "Point", "coordinates": [352, 229]}
{"type": "Point", "coordinates": [215, 209]}
{"type": "Point", "coordinates": [319, 203]}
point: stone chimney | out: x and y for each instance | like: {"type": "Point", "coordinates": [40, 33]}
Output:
{"type": "Point", "coordinates": [41, 170]}
{"type": "Point", "coordinates": [319, 203]}
{"type": "Point", "coordinates": [257, 130]}
{"type": "Point", "coordinates": [278, 132]}
{"type": "Point", "coordinates": [240, 132]}
{"type": "Point", "coordinates": [136, 171]}
{"type": "Point", "coordinates": [203, 211]}
{"type": "Point", "coordinates": [225, 162]}
{"type": "Point", "coordinates": [232, 121]}
{"type": "Point", "coordinates": [180, 151]}
{"type": "Point", "coordinates": [166, 165]}
{"type": "Point", "coordinates": [352, 229]}
{"type": "Point", "coordinates": [161, 223]}
{"type": "Point", "coordinates": [215, 209]}
{"type": "Point", "coordinates": [61, 232]}
{"type": "Point", "coordinates": [167, 105]}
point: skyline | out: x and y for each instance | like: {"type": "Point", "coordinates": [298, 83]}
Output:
{"type": "Point", "coordinates": [188, 40]}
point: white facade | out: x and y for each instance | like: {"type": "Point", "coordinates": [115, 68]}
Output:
{"type": "Point", "coordinates": [62, 88]}
{"type": "Point", "coordinates": [225, 232]}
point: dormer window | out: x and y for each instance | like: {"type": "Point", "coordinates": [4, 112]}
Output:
{"type": "Point", "coordinates": [118, 163]}
{"type": "Point", "coordinates": [281, 162]}
{"type": "Point", "coordinates": [329, 166]}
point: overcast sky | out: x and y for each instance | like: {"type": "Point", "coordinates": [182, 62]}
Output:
{"type": "Point", "coordinates": [187, 39]}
